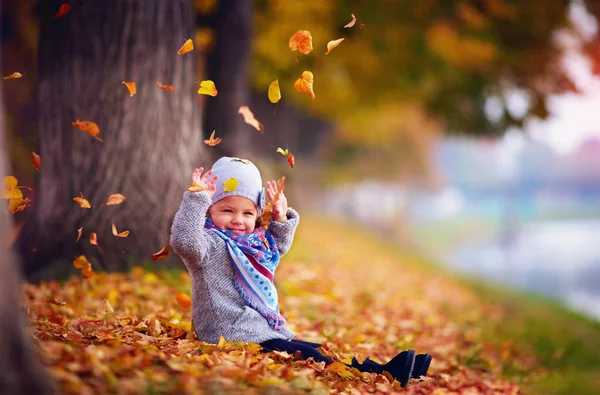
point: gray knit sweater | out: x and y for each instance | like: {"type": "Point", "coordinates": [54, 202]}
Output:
{"type": "Point", "coordinates": [217, 307]}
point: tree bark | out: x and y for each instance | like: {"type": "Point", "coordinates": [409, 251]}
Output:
{"type": "Point", "coordinates": [228, 67]}
{"type": "Point", "coordinates": [152, 141]}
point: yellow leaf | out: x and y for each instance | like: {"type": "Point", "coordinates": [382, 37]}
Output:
{"type": "Point", "coordinates": [88, 127]}
{"type": "Point", "coordinates": [339, 368]}
{"type": "Point", "coordinates": [184, 300]}
{"type": "Point", "coordinates": [11, 190]}
{"type": "Point", "coordinates": [230, 184]}
{"type": "Point", "coordinates": [332, 44]}
{"type": "Point", "coordinates": [13, 76]}
{"type": "Point", "coordinates": [221, 342]}
{"type": "Point", "coordinates": [208, 87]}
{"type": "Point", "coordinates": [301, 41]}
{"type": "Point", "coordinates": [212, 141]}
{"type": "Point", "coordinates": [250, 120]}
{"type": "Point", "coordinates": [122, 234]}
{"type": "Point", "coordinates": [305, 84]}
{"type": "Point", "coordinates": [112, 296]}
{"type": "Point", "coordinates": [351, 23]}
{"type": "Point", "coordinates": [114, 199]}
{"type": "Point", "coordinates": [131, 86]}
{"type": "Point", "coordinates": [83, 203]}
{"type": "Point", "coordinates": [186, 47]}
{"type": "Point", "coordinates": [282, 151]}
{"type": "Point", "coordinates": [80, 262]}
{"type": "Point", "coordinates": [16, 205]}
{"type": "Point", "coordinates": [196, 188]}
{"type": "Point", "coordinates": [274, 92]}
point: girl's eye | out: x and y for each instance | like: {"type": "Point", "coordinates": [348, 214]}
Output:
{"type": "Point", "coordinates": [228, 210]}
{"type": "Point", "coordinates": [248, 213]}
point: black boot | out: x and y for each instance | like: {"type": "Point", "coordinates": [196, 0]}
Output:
{"type": "Point", "coordinates": [422, 362]}
{"type": "Point", "coordinates": [401, 366]}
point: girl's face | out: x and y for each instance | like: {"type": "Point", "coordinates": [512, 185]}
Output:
{"type": "Point", "coordinates": [234, 213]}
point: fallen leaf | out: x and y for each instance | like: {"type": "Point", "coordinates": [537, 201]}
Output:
{"type": "Point", "coordinates": [89, 127]}
{"type": "Point", "coordinates": [36, 161]}
{"type": "Point", "coordinates": [282, 151]}
{"type": "Point", "coordinates": [184, 300]}
{"type": "Point", "coordinates": [114, 199]}
{"type": "Point", "coordinates": [79, 232]}
{"type": "Point", "coordinates": [332, 44]}
{"type": "Point", "coordinates": [351, 23]}
{"type": "Point", "coordinates": [93, 239]}
{"type": "Point", "coordinates": [64, 8]}
{"type": "Point", "coordinates": [186, 47]}
{"type": "Point", "coordinates": [274, 92]}
{"type": "Point", "coordinates": [305, 84]}
{"type": "Point", "coordinates": [162, 254]}
{"type": "Point", "coordinates": [208, 87]}
{"type": "Point", "coordinates": [250, 120]}
{"type": "Point", "coordinates": [130, 86]}
{"type": "Point", "coordinates": [13, 76]}
{"type": "Point", "coordinates": [301, 41]}
{"type": "Point", "coordinates": [196, 188]}
{"type": "Point", "coordinates": [340, 369]}
{"type": "Point", "coordinates": [168, 88]}
{"type": "Point", "coordinates": [125, 233]}
{"type": "Point", "coordinates": [291, 160]}
{"type": "Point", "coordinates": [212, 141]}
{"type": "Point", "coordinates": [83, 202]}
{"type": "Point", "coordinates": [230, 184]}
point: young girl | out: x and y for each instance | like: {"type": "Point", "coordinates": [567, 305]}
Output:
{"type": "Point", "coordinates": [232, 262]}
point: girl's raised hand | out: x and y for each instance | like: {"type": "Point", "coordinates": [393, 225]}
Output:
{"type": "Point", "coordinates": [278, 200]}
{"type": "Point", "coordinates": [205, 181]}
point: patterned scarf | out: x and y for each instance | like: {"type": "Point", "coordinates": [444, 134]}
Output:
{"type": "Point", "coordinates": [254, 257]}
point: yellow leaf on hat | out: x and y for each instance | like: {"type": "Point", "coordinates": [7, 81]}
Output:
{"type": "Point", "coordinates": [230, 184]}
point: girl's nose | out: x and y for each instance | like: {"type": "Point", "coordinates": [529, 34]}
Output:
{"type": "Point", "coordinates": [237, 219]}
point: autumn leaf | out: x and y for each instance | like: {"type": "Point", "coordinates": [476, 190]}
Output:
{"type": "Point", "coordinates": [16, 205]}
{"type": "Point", "coordinates": [282, 151]}
{"type": "Point", "coordinates": [84, 265]}
{"type": "Point", "coordinates": [212, 141]}
{"type": "Point", "coordinates": [94, 238]}
{"type": "Point", "coordinates": [250, 120]}
{"type": "Point", "coordinates": [208, 87]}
{"type": "Point", "coordinates": [332, 44]}
{"type": "Point", "coordinates": [11, 189]}
{"type": "Point", "coordinates": [168, 88]}
{"type": "Point", "coordinates": [122, 234]}
{"type": "Point", "coordinates": [230, 184]}
{"type": "Point", "coordinates": [36, 161]}
{"type": "Point", "coordinates": [162, 254]}
{"type": "Point", "coordinates": [196, 188]}
{"type": "Point", "coordinates": [301, 41]}
{"type": "Point", "coordinates": [305, 84]}
{"type": "Point", "coordinates": [114, 199]}
{"type": "Point", "coordinates": [79, 232]}
{"type": "Point", "coordinates": [351, 23]}
{"type": "Point", "coordinates": [274, 92]}
{"type": "Point", "coordinates": [130, 86]}
{"type": "Point", "coordinates": [184, 300]}
{"type": "Point", "coordinates": [186, 47]}
{"type": "Point", "coordinates": [83, 203]}
{"type": "Point", "coordinates": [13, 76]}
{"type": "Point", "coordinates": [88, 127]}
{"type": "Point", "coordinates": [64, 8]}
{"type": "Point", "coordinates": [340, 369]}
{"type": "Point", "coordinates": [291, 160]}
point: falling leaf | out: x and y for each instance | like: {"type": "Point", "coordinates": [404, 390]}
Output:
{"type": "Point", "coordinates": [80, 262]}
{"type": "Point", "coordinates": [89, 127]}
{"type": "Point", "coordinates": [291, 160]}
{"type": "Point", "coordinates": [13, 76]}
{"type": "Point", "coordinates": [301, 41]}
{"type": "Point", "coordinates": [351, 23]}
{"type": "Point", "coordinates": [305, 84]}
{"type": "Point", "coordinates": [196, 188]}
{"type": "Point", "coordinates": [122, 234]}
{"type": "Point", "coordinates": [109, 308]}
{"type": "Point", "coordinates": [230, 184]}
{"type": "Point", "coordinates": [79, 232]}
{"type": "Point", "coordinates": [64, 8]}
{"type": "Point", "coordinates": [212, 141]}
{"type": "Point", "coordinates": [36, 161]}
{"type": "Point", "coordinates": [94, 238]}
{"type": "Point", "coordinates": [332, 44]}
{"type": "Point", "coordinates": [274, 92]}
{"type": "Point", "coordinates": [162, 254]}
{"type": "Point", "coordinates": [11, 189]}
{"type": "Point", "coordinates": [131, 86]}
{"type": "Point", "coordinates": [16, 205]}
{"type": "Point", "coordinates": [83, 203]}
{"type": "Point", "coordinates": [114, 199]}
{"type": "Point", "coordinates": [250, 120]}
{"type": "Point", "coordinates": [168, 88]}
{"type": "Point", "coordinates": [339, 368]}
{"type": "Point", "coordinates": [208, 87]}
{"type": "Point", "coordinates": [184, 300]}
{"type": "Point", "coordinates": [186, 47]}
{"type": "Point", "coordinates": [282, 151]}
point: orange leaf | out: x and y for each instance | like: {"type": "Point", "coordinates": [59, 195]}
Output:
{"type": "Point", "coordinates": [87, 271]}
{"type": "Point", "coordinates": [291, 160]}
{"type": "Point", "coordinates": [64, 8]}
{"type": "Point", "coordinates": [114, 199]}
{"type": "Point", "coordinates": [212, 141]}
{"type": "Point", "coordinates": [16, 205]}
{"type": "Point", "coordinates": [351, 23]}
{"type": "Point", "coordinates": [305, 84]}
{"type": "Point", "coordinates": [163, 253]}
{"type": "Point", "coordinates": [301, 41]}
{"type": "Point", "coordinates": [168, 88]}
{"type": "Point", "coordinates": [339, 368]}
{"type": "Point", "coordinates": [13, 76]}
{"type": "Point", "coordinates": [332, 44]}
{"type": "Point", "coordinates": [186, 47]}
{"type": "Point", "coordinates": [250, 120]}
{"type": "Point", "coordinates": [122, 234]}
{"type": "Point", "coordinates": [80, 262]}
{"type": "Point", "coordinates": [79, 232]}
{"type": "Point", "coordinates": [89, 127]}
{"type": "Point", "coordinates": [131, 86]}
{"type": "Point", "coordinates": [36, 161]}
{"type": "Point", "coordinates": [196, 188]}
{"type": "Point", "coordinates": [184, 300]}
{"type": "Point", "coordinates": [93, 239]}
{"type": "Point", "coordinates": [83, 203]}
{"type": "Point", "coordinates": [207, 87]}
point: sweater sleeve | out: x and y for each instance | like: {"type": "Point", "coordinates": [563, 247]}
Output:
{"type": "Point", "coordinates": [188, 236]}
{"type": "Point", "coordinates": [283, 232]}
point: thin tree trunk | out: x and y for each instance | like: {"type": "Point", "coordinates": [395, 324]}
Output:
{"type": "Point", "coordinates": [228, 67]}
{"type": "Point", "coordinates": [152, 140]}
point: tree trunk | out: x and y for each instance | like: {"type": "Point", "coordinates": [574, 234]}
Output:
{"type": "Point", "coordinates": [152, 141]}
{"type": "Point", "coordinates": [228, 67]}
{"type": "Point", "coordinates": [20, 369]}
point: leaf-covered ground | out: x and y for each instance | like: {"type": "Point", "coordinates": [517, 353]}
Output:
{"type": "Point", "coordinates": [127, 333]}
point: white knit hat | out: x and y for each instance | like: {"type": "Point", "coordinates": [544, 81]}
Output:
{"type": "Point", "coordinates": [241, 174]}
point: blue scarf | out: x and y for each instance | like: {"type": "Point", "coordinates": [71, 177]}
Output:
{"type": "Point", "coordinates": [254, 257]}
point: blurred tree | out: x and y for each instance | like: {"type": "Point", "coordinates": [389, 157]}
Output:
{"type": "Point", "coordinates": [151, 140]}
